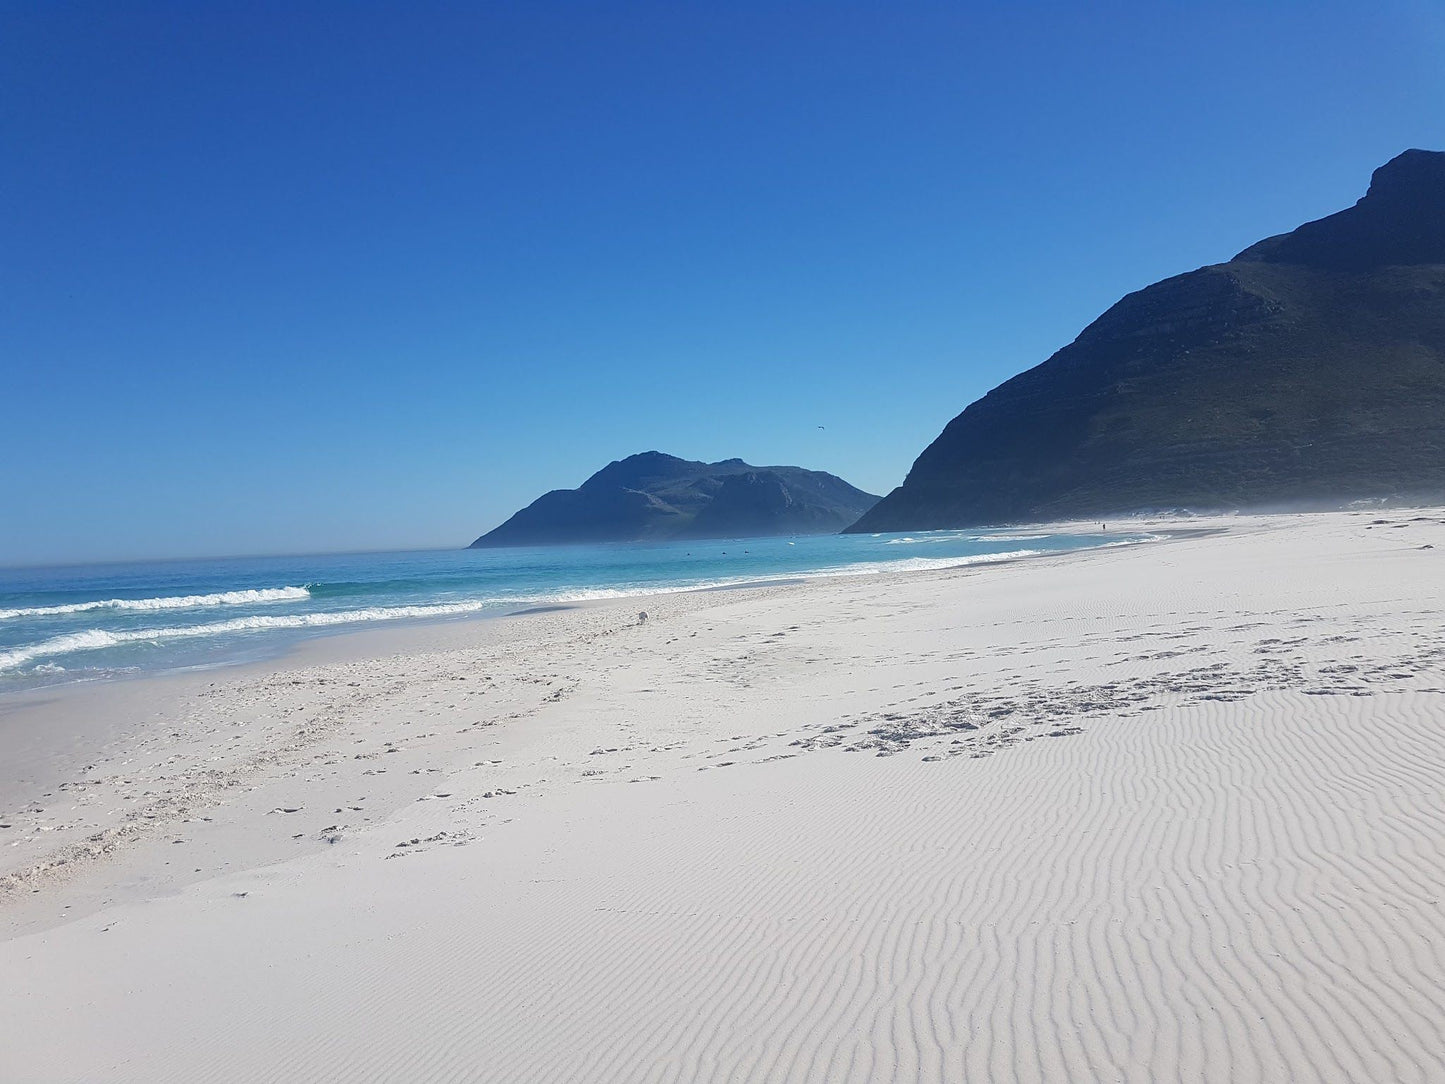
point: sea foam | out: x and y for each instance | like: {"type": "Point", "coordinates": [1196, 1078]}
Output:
{"type": "Point", "coordinates": [174, 602]}
{"type": "Point", "coordinates": [98, 639]}
{"type": "Point", "coordinates": [860, 568]}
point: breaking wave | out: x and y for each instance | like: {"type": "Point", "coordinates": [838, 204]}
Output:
{"type": "Point", "coordinates": [174, 602]}
{"type": "Point", "coordinates": [97, 639]}
{"type": "Point", "coordinates": [937, 537]}
{"type": "Point", "coordinates": [860, 568]}
{"type": "Point", "coordinates": [922, 564]}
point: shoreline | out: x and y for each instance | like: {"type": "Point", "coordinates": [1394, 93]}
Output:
{"type": "Point", "coordinates": [295, 639]}
{"type": "Point", "coordinates": [826, 829]}
{"type": "Point", "coordinates": [385, 639]}
{"type": "Point", "coordinates": [53, 733]}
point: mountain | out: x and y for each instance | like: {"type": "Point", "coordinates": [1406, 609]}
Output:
{"type": "Point", "coordinates": [654, 496]}
{"type": "Point", "coordinates": [1307, 371]}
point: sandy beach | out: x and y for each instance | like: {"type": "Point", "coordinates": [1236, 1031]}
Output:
{"type": "Point", "coordinates": [1163, 812]}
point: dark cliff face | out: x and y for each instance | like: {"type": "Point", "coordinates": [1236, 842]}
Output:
{"type": "Point", "coordinates": [1310, 369]}
{"type": "Point", "coordinates": [1400, 220]}
{"type": "Point", "coordinates": [652, 496]}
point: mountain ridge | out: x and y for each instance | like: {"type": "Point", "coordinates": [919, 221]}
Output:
{"type": "Point", "coordinates": [1307, 370]}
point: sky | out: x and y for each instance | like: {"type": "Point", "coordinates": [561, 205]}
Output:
{"type": "Point", "coordinates": [297, 278]}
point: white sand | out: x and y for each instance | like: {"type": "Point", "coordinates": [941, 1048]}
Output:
{"type": "Point", "coordinates": [1157, 813]}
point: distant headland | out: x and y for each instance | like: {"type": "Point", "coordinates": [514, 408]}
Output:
{"type": "Point", "coordinates": [652, 497]}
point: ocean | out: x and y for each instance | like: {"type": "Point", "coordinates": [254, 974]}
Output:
{"type": "Point", "coordinates": [82, 623]}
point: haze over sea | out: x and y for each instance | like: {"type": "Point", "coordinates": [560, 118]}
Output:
{"type": "Point", "coordinates": [83, 622]}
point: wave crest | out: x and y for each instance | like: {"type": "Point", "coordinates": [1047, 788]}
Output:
{"type": "Point", "coordinates": [252, 597]}
{"type": "Point", "coordinates": [96, 639]}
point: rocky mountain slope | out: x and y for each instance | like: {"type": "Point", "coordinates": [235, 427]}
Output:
{"type": "Point", "coordinates": [1308, 370]}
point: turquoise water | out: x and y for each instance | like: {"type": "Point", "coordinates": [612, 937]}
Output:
{"type": "Point", "coordinates": [96, 621]}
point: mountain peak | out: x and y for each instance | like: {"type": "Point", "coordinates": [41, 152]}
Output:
{"type": "Point", "coordinates": [1399, 221]}
{"type": "Point", "coordinates": [644, 468]}
{"type": "Point", "coordinates": [1412, 177]}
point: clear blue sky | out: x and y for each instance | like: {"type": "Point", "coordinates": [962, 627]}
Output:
{"type": "Point", "coordinates": [279, 278]}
